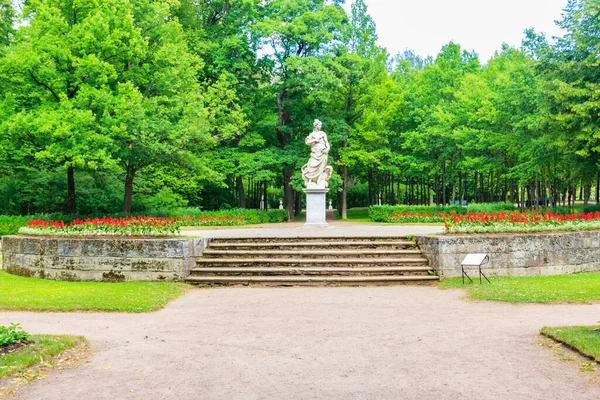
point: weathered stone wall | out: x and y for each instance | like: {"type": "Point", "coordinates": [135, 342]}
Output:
{"type": "Point", "coordinates": [100, 259]}
{"type": "Point", "coordinates": [528, 254]}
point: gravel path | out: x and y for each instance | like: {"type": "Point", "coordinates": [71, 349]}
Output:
{"type": "Point", "coordinates": [335, 229]}
{"type": "Point", "coordinates": [317, 343]}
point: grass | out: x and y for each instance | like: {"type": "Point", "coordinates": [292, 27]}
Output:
{"type": "Point", "coordinates": [355, 215]}
{"type": "Point", "coordinates": [576, 288]}
{"type": "Point", "coordinates": [585, 339]}
{"type": "Point", "coordinates": [32, 294]}
{"type": "Point", "coordinates": [44, 348]}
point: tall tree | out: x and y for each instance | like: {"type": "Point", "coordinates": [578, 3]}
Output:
{"type": "Point", "coordinates": [360, 65]}
{"type": "Point", "coordinates": [294, 30]}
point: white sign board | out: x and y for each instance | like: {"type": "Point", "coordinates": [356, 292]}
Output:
{"type": "Point", "coordinates": [475, 259]}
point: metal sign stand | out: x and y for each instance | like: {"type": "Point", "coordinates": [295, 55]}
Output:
{"type": "Point", "coordinates": [474, 260]}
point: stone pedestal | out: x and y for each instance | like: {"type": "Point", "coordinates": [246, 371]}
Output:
{"type": "Point", "coordinates": [315, 207]}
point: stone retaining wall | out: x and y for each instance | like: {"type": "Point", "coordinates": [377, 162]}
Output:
{"type": "Point", "coordinates": [101, 259]}
{"type": "Point", "coordinates": [528, 254]}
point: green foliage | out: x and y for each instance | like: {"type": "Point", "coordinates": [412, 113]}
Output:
{"type": "Point", "coordinates": [490, 207]}
{"type": "Point", "coordinates": [9, 225]}
{"type": "Point", "coordinates": [42, 350]}
{"type": "Point", "coordinates": [576, 288]}
{"type": "Point", "coordinates": [248, 217]}
{"type": "Point", "coordinates": [13, 333]}
{"type": "Point", "coordinates": [137, 105]}
{"type": "Point", "coordinates": [382, 213]}
{"type": "Point", "coordinates": [585, 339]}
{"type": "Point", "coordinates": [166, 199]}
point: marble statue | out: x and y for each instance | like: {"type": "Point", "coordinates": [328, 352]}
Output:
{"type": "Point", "coordinates": [316, 172]}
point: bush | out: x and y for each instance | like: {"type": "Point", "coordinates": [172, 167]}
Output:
{"type": "Point", "coordinates": [12, 334]}
{"type": "Point", "coordinates": [10, 225]}
{"type": "Point", "coordinates": [490, 207]}
{"type": "Point", "coordinates": [358, 195]}
{"type": "Point", "coordinates": [167, 199]}
{"type": "Point", "coordinates": [591, 208]}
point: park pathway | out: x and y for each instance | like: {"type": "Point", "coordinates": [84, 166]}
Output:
{"type": "Point", "coordinates": [336, 229]}
{"type": "Point", "coordinates": [317, 343]}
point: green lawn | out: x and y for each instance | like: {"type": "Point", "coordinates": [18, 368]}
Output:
{"type": "Point", "coordinates": [32, 294]}
{"type": "Point", "coordinates": [44, 348]}
{"type": "Point", "coordinates": [355, 215]}
{"type": "Point", "coordinates": [586, 339]}
{"type": "Point", "coordinates": [576, 288]}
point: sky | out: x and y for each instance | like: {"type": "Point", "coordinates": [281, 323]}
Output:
{"type": "Point", "coordinates": [424, 26]}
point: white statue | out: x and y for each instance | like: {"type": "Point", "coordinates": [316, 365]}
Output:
{"type": "Point", "coordinates": [316, 172]}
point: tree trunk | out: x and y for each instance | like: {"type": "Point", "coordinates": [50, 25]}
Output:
{"type": "Point", "coordinates": [437, 191]}
{"type": "Point", "coordinates": [444, 182]}
{"type": "Point", "coordinates": [537, 191]}
{"type": "Point", "coordinates": [370, 187]}
{"type": "Point", "coordinates": [71, 202]}
{"type": "Point", "coordinates": [522, 198]}
{"type": "Point", "coordinates": [343, 204]}
{"type": "Point", "coordinates": [284, 138]}
{"type": "Point", "coordinates": [239, 181]}
{"type": "Point", "coordinates": [266, 198]}
{"type": "Point", "coordinates": [598, 188]}
{"type": "Point", "coordinates": [130, 174]}
{"type": "Point", "coordinates": [587, 192]}
{"type": "Point", "coordinates": [288, 193]}
{"type": "Point", "coordinates": [298, 205]}
{"type": "Point", "coordinates": [475, 188]}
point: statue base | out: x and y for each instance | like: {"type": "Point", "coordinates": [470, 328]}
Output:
{"type": "Point", "coordinates": [315, 207]}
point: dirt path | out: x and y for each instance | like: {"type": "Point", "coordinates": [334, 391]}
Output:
{"type": "Point", "coordinates": [317, 343]}
{"type": "Point", "coordinates": [297, 229]}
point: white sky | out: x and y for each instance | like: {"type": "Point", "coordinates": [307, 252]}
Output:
{"type": "Point", "coordinates": [424, 26]}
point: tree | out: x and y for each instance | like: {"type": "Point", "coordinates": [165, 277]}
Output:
{"type": "Point", "coordinates": [294, 30]}
{"type": "Point", "coordinates": [360, 64]}
{"type": "Point", "coordinates": [56, 72]}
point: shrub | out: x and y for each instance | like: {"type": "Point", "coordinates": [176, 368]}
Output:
{"type": "Point", "coordinates": [12, 334]}
{"type": "Point", "coordinates": [9, 224]}
{"type": "Point", "coordinates": [490, 207]}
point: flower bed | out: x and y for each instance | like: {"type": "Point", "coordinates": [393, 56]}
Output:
{"type": "Point", "coordinates": [11, 225]}
{"type": "Point", "coordinates": [521, 222]}
{"type": "Point", "coordinates": [503, 221]}
{"type": "Point", "coordinates": [129, 226]}
{"type": "Point", "coordinates": [386, 212]}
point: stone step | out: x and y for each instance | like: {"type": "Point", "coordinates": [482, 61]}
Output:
{"type": "Point", "coordinates": [314, 254]}
{"type": "Point", "coordinates": [331, 271]}
{"type": "Point", "coordinates": [315, 262]}
{"type": "Point", "coordinates": [286, 280]}
{"type": "Point", "coordinates": [295, 245]}
{"type": "Point", "coordinates": [312, 239]}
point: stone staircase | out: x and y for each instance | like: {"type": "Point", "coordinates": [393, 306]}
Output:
{"type": "Point", "coordinates": [311, 261]}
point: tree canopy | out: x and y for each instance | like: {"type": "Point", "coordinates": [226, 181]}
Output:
{"type": "Point", "coordinates": [133, 105]}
